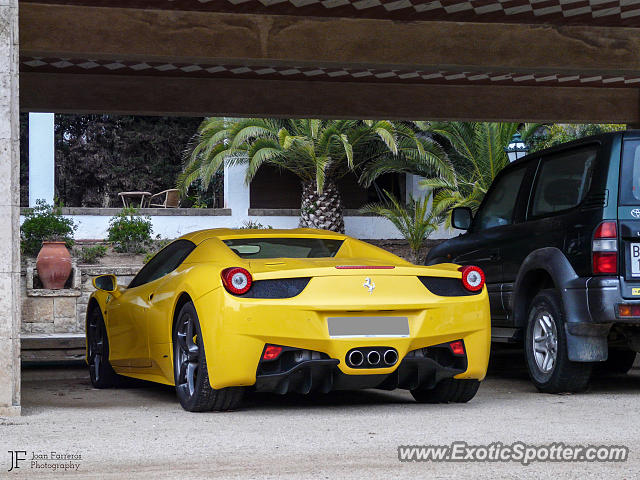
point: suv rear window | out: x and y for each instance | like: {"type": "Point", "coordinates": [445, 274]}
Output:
{"type": "Point", "coordinates": [630, 177]}
{"type": "Point", "coordinates": [563, 181]}
{"type": "Point", "coordinates": [284, 247]}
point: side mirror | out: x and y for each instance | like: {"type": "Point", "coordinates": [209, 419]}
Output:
{"type": "Point", "coordinates": [461, 218]}
{"type": "Point", "coordinates": [106, 283]}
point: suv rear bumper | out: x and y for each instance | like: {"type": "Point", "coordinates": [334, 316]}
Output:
{"type": "Point", "coordinates": [591, 309]}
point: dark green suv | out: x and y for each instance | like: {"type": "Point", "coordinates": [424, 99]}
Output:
{"type": "Point", "coordinates": [558, 236]}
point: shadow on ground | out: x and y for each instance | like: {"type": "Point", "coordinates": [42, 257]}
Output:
{"type": "Point", "coordinates": [69, 387]}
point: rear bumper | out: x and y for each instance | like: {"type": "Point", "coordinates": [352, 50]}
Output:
{"type": "Point", "coordinates": [236, 334]}
{"type": "Point", "coordinates": [591, 308]}
{"type": "Point", "coordinates": [595, 300]}
{"type": "Point", "coordinates": [417, 370]}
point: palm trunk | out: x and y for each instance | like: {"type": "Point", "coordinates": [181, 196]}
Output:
{"type": "Point", "coordinates": [321, 210]}
{"type": "Point", "coordinates": [414, 257]}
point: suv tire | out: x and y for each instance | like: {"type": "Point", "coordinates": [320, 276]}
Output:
{"type": "Point", "coordinates": [546, 355]}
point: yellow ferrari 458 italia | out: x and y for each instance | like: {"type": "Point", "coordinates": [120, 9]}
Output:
{"type": "Point", "coordinates": [220, 311]}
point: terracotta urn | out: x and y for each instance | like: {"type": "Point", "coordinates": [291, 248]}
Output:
{"type": "Point", "coordinates": [54, 265]}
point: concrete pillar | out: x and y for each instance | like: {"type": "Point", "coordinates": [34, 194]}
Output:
{"type": "Point", "coordinates": [9, 211]}
{"type": "Point", "coordinates": [41, 158]}
{"type": "Point", "coordinates": [414, 188]}
{"type": "Point", "coordinates": [236, 192]}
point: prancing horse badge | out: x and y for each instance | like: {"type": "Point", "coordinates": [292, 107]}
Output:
{"type": "Point", "coordinates": [368, 283]}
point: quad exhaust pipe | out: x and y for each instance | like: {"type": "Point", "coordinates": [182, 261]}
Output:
{"type": "Point", "coordinates": [375, 357]}
{"type": "Point", "coordinates": [390, 357]}
{"type": "Point", "coordinates": [355, 358]}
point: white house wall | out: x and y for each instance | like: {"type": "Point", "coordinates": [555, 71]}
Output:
{"type": "Point", "coordinates": [95, 227]}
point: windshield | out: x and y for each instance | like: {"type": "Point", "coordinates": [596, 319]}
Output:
{"type": "Point", "coordinates": [256, 248]}
{"type": "Point", "coordinates": [630, 178]}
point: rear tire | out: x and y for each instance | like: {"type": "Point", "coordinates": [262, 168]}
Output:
{"type": "Point", "coordinates": [449, 390]}
{"type": "Point", "coordinates": [101, 372]}
{"type": "Point", "coordinates": [190, 368]}
{"type": "Point", "coordinates": [619, 360]}
{"type": "Point", "coordinates": [546, 355]}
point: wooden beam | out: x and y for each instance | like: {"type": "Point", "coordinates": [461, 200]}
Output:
{"type": "Point", "coordinates": [69, 93]}
{"type": "Point", "coordinates": [187, 36]}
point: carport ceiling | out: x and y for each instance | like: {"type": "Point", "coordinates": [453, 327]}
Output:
{"type": "Point", "coordinates": [549, 60]}
{"type": "Point", "coordinates": [560, 12]}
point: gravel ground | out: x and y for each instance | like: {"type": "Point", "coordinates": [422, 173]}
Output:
{"type": "Point", "coordinates": [142, 432]}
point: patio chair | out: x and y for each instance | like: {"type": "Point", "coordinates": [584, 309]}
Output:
{"type": "Point", "coordinates": [171, 199]}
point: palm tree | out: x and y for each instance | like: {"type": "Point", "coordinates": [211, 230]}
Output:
{"type": "Point", "coordinates": [431, 161]}
{"type": "Point", "coordinates": [415, 221]}
{"type": "Point", "coordinates": [319, 152]}
{"type": "Point", "coordinates": [477, 156]}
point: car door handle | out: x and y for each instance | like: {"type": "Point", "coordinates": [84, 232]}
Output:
{"type": "Point", "coordinates": [150, 296]}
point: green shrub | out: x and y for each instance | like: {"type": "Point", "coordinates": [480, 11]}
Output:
{"type": "Point", "coordinates": [129, 232]}
{"type": "Point", "coordinates": [254, 225]}
{"type": "Point", "coordinates": [92, 254]}
{"type": "Point", "coordinates": [45, 223]}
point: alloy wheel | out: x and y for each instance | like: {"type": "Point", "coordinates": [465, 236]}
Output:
{"type": "Point", "coordinates": [187, 357]}
{"type": "Point", "coordinates": [96, 346]}
{"type": "Point", "coordinates": [545, 341]}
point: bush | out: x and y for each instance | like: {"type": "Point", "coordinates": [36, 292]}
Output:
{"type": "Point", "coordinates": [45, 223]}
{"type": "Point", "coordinates": [129, 232]}
{"type": "Point", "coordinates": [92, 254]}
{"type": "Point", "coordinates": [254, 225]}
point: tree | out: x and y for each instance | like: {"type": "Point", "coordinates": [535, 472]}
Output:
{"type": "Point", "coordinates": [99, 155]}
{"type": "Point", "coordinates": [476, 151]}
{"type": "Point", "coordinates": [318, 152]}
{"type": "Point", "coordinates": [558, 133]}
{"type": "Point", "coordinates": [415, 221]}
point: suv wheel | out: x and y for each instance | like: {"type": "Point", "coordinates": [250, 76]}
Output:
{"type": "Point", "coordinates": [546, 348]}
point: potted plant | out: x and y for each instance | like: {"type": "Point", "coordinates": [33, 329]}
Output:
{"type": "Point", "coordinates": [47, 234]}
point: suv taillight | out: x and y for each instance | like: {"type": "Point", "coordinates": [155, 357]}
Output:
{"type": "Point", "coordinates": [605, 248]}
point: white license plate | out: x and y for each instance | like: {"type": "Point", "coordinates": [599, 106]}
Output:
{"type": "Point", "coordinates": [348, 327]}
{"type": "Point", "coordinates": [634, 251]}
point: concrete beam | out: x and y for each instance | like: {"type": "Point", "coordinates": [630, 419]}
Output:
{"type": "Point", "coordinates": [146, 95]}
{"type": "Point", "coordinates": [9, 212]}
{"type": "Point", "coordinates": [172, 35]}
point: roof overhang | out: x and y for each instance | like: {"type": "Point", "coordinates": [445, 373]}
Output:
{"type": "Point", "coordinates": [340, 58]}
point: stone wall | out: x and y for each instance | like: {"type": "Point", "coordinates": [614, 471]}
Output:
{"type": "Point", "coordinates": [63, 311]}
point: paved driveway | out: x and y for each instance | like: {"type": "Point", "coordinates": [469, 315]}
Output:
{"type": "Point", "coordinates": [141, 432]}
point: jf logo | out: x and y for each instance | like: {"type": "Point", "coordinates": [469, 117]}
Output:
{"type": "Point", "coordinates": [17, 456]}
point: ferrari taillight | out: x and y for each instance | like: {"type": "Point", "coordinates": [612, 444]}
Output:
{"type": "Point", "coordinates": [271, 352]}
{"type": "Point", "coordinates": [457, 347]}
{"type": "Point", "coordinates": [236, 280]}
{"type": "Point", "coordinates": [472, 278]}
